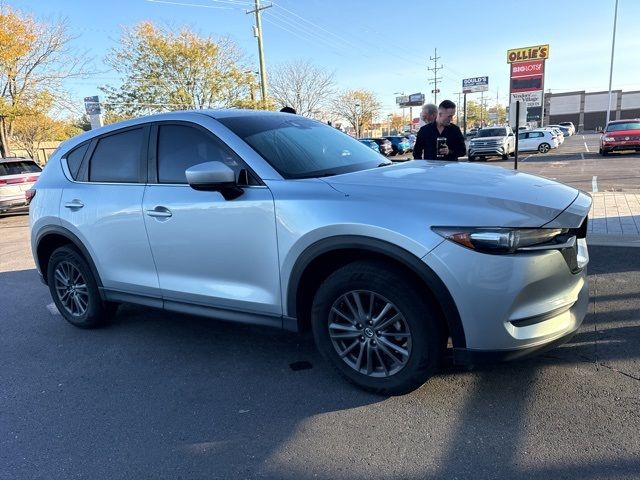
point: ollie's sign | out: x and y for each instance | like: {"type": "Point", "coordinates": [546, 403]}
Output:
{"type": "Point", "coordinates": [539, 52]}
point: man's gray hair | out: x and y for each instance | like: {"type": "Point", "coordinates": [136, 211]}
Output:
{"type": "Point", "coordinates": [430, 108]}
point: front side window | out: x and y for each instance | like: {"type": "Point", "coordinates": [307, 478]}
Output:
{"type": "Point", "coordinates": [183, 146]}
{"type": "Point", "coordinates": [116, 158]}
{"type": "Point", "coordinates": [298, 147]}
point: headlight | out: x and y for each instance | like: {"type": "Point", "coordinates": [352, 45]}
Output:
{"type": "Point", "coordinates": [609, 139]}
{"type": "Point", "coordinates": [507, 240]}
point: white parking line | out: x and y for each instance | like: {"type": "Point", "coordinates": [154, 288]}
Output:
{"type": "Point", "coordinates": [53, 310]}
{"type": "Point", "coordinates": [594, 184]}
{"type": "Point", "coordinates": [585, 146]}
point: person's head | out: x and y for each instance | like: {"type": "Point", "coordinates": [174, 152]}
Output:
{"type": "Point", "coordinates": [287, 110]}
{"type": "Point", "coordinates": [429, 113]}
{"type": "Point", "coordinates": [446, 111]}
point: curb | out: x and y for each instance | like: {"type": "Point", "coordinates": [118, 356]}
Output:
{"type": "Point", "coordinates": [613, 240]}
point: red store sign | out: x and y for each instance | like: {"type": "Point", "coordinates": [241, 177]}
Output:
{"type": "Point", "coordinates": [527, 69]}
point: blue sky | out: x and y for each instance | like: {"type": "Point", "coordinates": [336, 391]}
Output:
{"type": "Point", "coordinates": [382, 45]}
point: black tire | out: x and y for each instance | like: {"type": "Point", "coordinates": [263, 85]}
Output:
{"type": "Point", "coordinates": [425, 340]}
{"type": "Point", "coordinates": [96, 312]}
{"type": "Point", "coordinates": [472, 158]}
{"type": "Point", "coordinates": [603, 152]}
{"type": "Point", "coordinates": [544, 147]}
{"type": "Point", "coordinates": [505, 156]}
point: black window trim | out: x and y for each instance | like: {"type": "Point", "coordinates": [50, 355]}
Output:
{"type": "Point", "coordinates": [152, 158]}
{"type": "Point", "coordinates": [83, 173]}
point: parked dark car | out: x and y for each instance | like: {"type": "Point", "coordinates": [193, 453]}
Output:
{"type": "Point", "coordinates": [370, 143]}
{"type": "Point", "coordinates": [399, 144]}
{"type": "Point", "coordinates": [385, 146]}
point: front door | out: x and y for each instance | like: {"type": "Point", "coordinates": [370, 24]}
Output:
{"type": "Point", "coordinates": [210, 251]}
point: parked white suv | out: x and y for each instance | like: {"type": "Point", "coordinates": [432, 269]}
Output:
{"type": "Point", "coordinates": [491, 142]}
{"type": "Point", "coordinates": [279, 220]}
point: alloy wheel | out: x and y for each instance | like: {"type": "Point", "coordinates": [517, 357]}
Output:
{"type": "Point", "coordinates": [71, 288]}
{"type": "Point", "coordinates": [369, 333]}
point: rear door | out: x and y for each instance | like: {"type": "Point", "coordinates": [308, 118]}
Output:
{"type": "Point", "coordinates": [102, 205]}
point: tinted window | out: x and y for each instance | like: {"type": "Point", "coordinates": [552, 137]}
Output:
{"type": "Point", "coordinates": [536, 135]}
{"type": "Point", "coordinates": [522, 136]}
{"type": "Point", "coordinates": [16, 168]}
{"type": "Point", "coordinates": [181, 147]}
{"type": "Point", "coordinates": [302, 148]}
{"type": "Point", "coordinates": [74, 159]}
{"type": "Point", "coordinates": [117, 158]}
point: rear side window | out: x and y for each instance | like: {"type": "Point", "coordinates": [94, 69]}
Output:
{"type": "Point", "coordinates": [17, 168]}
{"type": "Point", "coordinates": [74, 159]}
{"type": "Point", "coordinates": [536, 135]}
{"type": "Point", "coordinates": [182, 146]}
{"type": "Point", "coordinates": [117, 158]}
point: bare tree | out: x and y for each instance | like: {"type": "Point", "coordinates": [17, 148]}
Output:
{"type": "Point", "coordinates": [358, 107]}
{"type": "Point", "coordinates": [35, 58]}
{"type": "Point", "coordinates": [303, 86]}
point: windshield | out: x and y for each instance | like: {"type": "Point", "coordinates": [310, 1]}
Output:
{"type": "Point", "coordinates": [616, 127]}
{"type": "Point", "coordinates": [298, 147]}
{"type": "Point", "coordinates": [492, 132]}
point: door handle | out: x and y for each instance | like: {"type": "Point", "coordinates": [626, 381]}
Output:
{"type": "Point", "coordinates": [159, 212]}
{"type": "Point", "coordinates": [74, 204]}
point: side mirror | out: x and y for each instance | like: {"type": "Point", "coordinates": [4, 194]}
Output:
{"type": "Point", "coordinates": [511, 134]}
{"type": "Point", "coordinates": [214, 177]}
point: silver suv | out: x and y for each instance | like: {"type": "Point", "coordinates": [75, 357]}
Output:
{"type": "Point", "coordinates": [491, 142]}
{"type": "Point", "coordinates": [278, 220]}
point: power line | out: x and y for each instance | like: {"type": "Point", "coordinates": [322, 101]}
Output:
{"type": "Point", "coordinates": [436, 79]}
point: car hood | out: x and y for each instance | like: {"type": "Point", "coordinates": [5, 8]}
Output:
{"type": "Point", "coordinates": [461, 194]}
{"type": "Point", "coordinates": [481, 139]}
{"type": "Point", "coordinates": [623, 133]}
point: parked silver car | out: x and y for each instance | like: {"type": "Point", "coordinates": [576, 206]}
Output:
{"type": "Point", "coordinates": [492, 142]}
{"type": "Point", "coordinates": [279, 220]}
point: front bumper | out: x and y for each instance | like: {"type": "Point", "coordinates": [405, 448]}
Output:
{"type": "Point", "coordinates": [620, 146]}
{"type": "Point", "coordinates": [511, 305]}
{"type": "Point", "coordinates": [493, 150]}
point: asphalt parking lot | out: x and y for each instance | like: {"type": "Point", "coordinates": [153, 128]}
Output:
{"type": "Point", "coordinates": [577, 163]}
{"type": "Point", "coordinates": [159, 395]}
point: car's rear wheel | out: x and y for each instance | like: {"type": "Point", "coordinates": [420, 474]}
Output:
{"type": "Point", "coordinates": [544, 147]}
{"type": "Point", "coordinates": [74, 289]}
{"type": "Point", "coordinates": [377, 329]}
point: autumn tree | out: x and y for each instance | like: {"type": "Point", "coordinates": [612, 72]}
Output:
{"type": "Point", "coordinates": [31, 131]}
{"type": "Point", "coordinates": [305, 87]}
{"type": "Point", "coordinates": [397, 123]}
{"type": "Point", "coordinates": [166, 70]}
{"type": "Point", "coordinates": [358, 107]}
{"type": "Point", "coordinates": [35, 58]}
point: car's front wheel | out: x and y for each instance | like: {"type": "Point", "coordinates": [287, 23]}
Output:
{"type": "Point", "coordinates": [377, 329]}
{"type": "Point", "coordinates": [544, 147]}
{"type": "Point", "coordinates": [74, 289]}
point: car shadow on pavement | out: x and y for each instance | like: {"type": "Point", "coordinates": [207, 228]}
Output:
{"type": "Point", "coordinates": [157, 394]}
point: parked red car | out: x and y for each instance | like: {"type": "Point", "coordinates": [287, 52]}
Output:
{"type": "Point", "coordinates": [620, 135]}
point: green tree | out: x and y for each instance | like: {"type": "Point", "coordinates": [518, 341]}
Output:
{"type": "Point", "coordinates": [358, 107]}
{"type": "Point", "coordinates": [165, 70]}
{"type": "Point", "coordinates": [35, 59]}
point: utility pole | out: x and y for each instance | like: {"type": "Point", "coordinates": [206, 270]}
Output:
{"type": "Point", "coordinates": [436, 79]}
{"type": "Point", "coordinates": [459, 107]}
{"type": "Point", "coordinates": [257, 32]}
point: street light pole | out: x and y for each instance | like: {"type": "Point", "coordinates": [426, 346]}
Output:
{"type": "Point", "coordinates": [613, 46]}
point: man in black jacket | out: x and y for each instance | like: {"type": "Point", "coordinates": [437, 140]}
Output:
{"type": "Point", "coordinates": [426, 143]}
